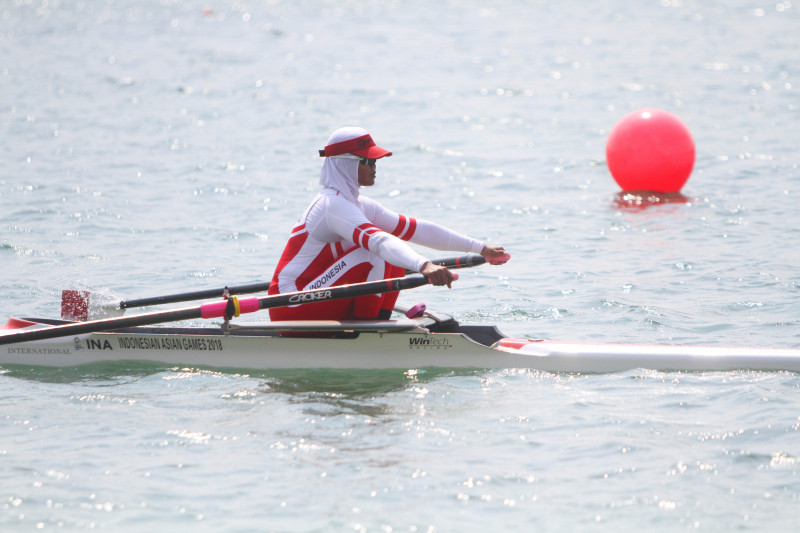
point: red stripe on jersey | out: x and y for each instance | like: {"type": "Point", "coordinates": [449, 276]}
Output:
{"type": "Point", "coordinates": [412, 227]}
{"type": "Point", "coordinates": [362, 234]}
{"type": "Point", "coordinates": [364, 239]}
{"type": "Point", "coordinates": [297, 229]}
{"type": "Point", "coordinates": [401, 226]}
{"type": "Point", "coordinates": [293, 247]}
{"type": "Point", "coordinates": [405, 228]}
{"type": "Point", "coordinates": [339, 249]}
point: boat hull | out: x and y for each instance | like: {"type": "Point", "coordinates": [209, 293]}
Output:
{"type": "Point", "coordinates": [381, 348]}
{"type": "Point", "coordinates": [368, 350]}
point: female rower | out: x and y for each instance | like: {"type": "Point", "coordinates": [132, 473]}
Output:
{"type": "Point", "coordinates": [344, 238]}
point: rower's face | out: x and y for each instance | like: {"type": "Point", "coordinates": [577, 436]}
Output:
{"type": "Point", "coordinates": [366, 174]}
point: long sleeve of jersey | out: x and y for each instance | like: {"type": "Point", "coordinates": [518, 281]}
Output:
{"type": "Point", "coordinates": [418, 231]}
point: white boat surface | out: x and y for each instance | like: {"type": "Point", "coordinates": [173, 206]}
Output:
{"type": "Point", "coordinates": [430, 341]}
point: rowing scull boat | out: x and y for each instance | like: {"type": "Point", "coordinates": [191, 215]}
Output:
{"type": "Point", "coordinates": [430, 341]}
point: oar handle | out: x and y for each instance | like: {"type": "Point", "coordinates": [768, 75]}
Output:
{"type": "Point", "coordinates": [464, 261]}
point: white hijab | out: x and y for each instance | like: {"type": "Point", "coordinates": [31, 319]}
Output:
{"type": "Point", "coordinates": [341, 172]}
{"type": "Point", "coordinates": [341, 175]}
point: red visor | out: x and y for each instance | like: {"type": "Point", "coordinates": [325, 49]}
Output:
{"type": "Point", "coordinates": [362, 146]}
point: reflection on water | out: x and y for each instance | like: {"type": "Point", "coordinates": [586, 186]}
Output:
{"type": "Point", "coordinates": [641, 200]}
{"type": "Point", "coordinates": [302, 384]}
{"type": "Point", "coordinates": [111, 373]}
{"type": "Point", "coordinates": [351, 383]}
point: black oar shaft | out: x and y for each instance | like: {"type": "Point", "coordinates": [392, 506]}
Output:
{"type": "Point", "coordinates": [343, 291]}
{"type": "Point", "coordinates": [93, 326]}
{"type": "Point", "coordinates": [464, 261]}
{"type": "Point", "coordinates": [218, 309]}
{"type": "Point", "coordinates": [197, 295]}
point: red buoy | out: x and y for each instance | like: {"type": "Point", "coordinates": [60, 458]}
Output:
{"type": "Point", "coordinates": [650, 150]}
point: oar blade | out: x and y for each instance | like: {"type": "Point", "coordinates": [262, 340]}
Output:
{"type": "Point", "coordinates": [75, 305]}
{"type": "Point", "coordinates": [80, 306]}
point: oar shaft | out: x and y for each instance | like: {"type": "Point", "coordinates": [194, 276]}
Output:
{"type": "Point", "coordinates": [197, 295]}
{"type": "Point", "coordinates": [218, 309]}
{"type": "Point", "coordinates": [463, 261]}
{"type": "Point", "coordinates": [92, 326]}
{"type": "Point", "coordinates": [344, 291]}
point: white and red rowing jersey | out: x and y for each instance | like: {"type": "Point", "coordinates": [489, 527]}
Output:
{"type": "Point", "coordinates": [333, 225]}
